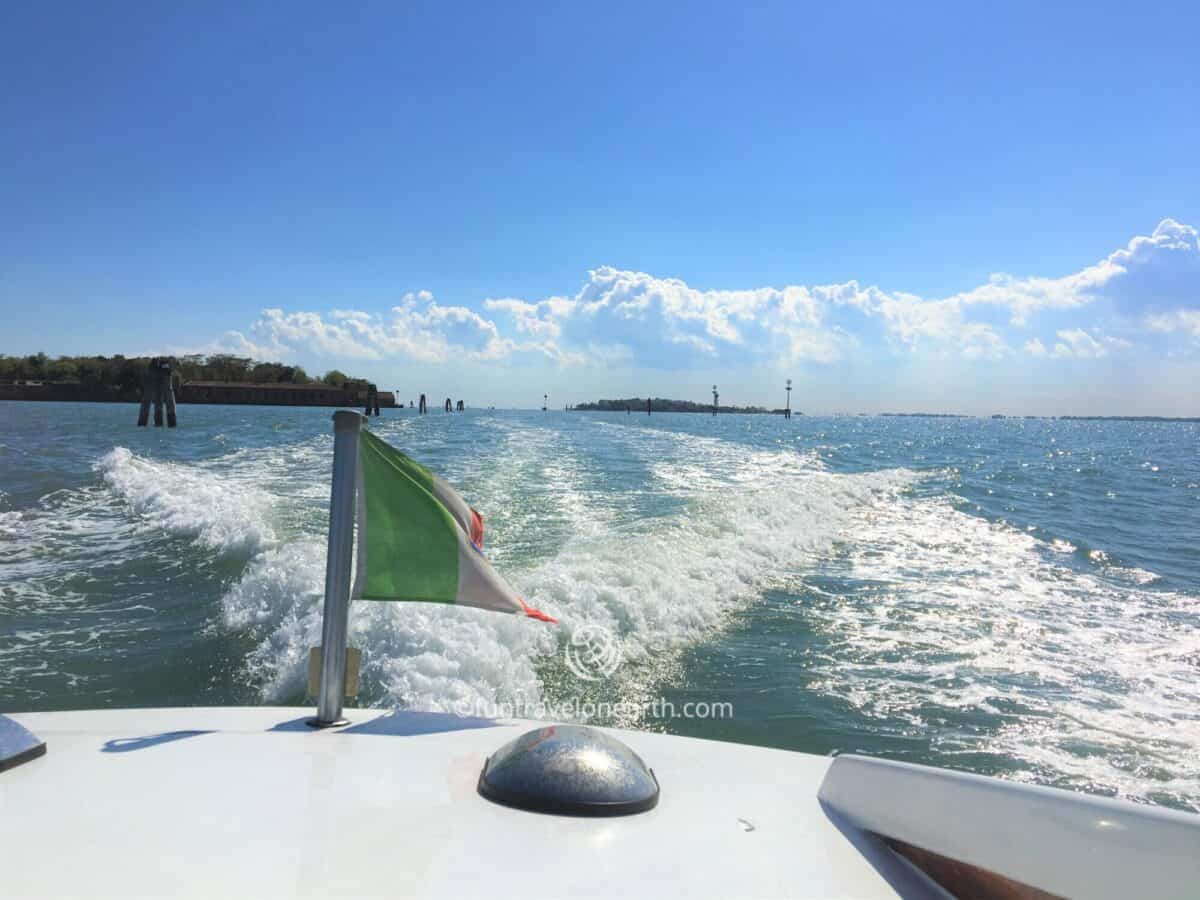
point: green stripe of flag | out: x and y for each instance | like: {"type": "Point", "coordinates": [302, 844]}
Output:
{"type": "Point", "coordinates": [411, 545]}
{"type": "Point", "coordinates": [415, 537]}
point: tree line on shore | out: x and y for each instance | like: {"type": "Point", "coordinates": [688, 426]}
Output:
{"type": "Point", "coordinates": [125, 373]}
{"type": "Point", "coordinates": [660, 404]}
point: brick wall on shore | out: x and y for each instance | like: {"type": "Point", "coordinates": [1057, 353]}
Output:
{"type": "Point", "coordinates": [239, 394]}
{"type": "Point", "coordinates": [69, 392]}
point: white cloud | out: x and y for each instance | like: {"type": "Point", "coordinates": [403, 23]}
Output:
{"type": "Point", "coordinates": [981, 342]}
{"type": "Point", "coordinates": [1025, 296]}
{"type": "Point", "coordinates": [688, 316]}
{"type": "Point", "coordinates": [1186, 320]}
{"type": "Point", "coordinates": [537, 319]}
{"type": "Point", "coordinates": [1171, 243]}
{"type": "Point", "coordinates": [309, 330]}
{"type": "Point", "coordinates": [417, 328]}
{"type": "Point", "coordinates": [666, 316]}
{"type": "Point", "coordinates": [914, 321]}
{"type": "Point", "coordinates": [628, 318]}
{"type": "Point", "coordinates": [234, 343]}
{"type": "Point", "coordinates": [1075, 343]}
{"type": "Point", "coordinates": [1169, 235]}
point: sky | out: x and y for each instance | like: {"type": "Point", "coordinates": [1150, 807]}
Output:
{"type": "Point", "coordinates": [943, 207]}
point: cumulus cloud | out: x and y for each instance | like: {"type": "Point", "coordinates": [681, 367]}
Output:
{"type": "Point", "coordinates": [667, 322]}
{"type": "Point", "coordinates": [1185, 320]}
{"type": "Point", "coordinates": [627, 318]}
{"type": "Point", "coordinates": [1075, 343]}
{"type": "Point", "coordinates": [1023, 297]}
{"type": "Point", "coordinates": [232, 342]}
{"type": "Point", "coordinates": [1160, 268]}
{"type": "Point", "coordinates": [914, 321]}
{"type": "Point", "coordinates": [1078, 343]}
{"type": "Point", "coordinates": [1159, 273]}
{"type": "Point", "coordinates": [538, 319]}
{"type": "Point", "coordinates": [417, 328]}
{"type": "Point", "coordinates": [310, 331]}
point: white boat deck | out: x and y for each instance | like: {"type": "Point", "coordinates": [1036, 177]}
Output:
{"type": "Point", "coordinates": [251, 802]}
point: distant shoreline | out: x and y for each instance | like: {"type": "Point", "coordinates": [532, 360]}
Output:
{"type": "Point", "coordinates": [218, 393]}
{"type": "Point", "coordinates": [724, 410]}
{"type": "Point", "coordinates": [922, 415]}
{"type": "Point", "coordinates": [664, 405]}
{"type": "Point", "coordinates": [1127, 418]}
{"type": "Point", "coordinates": [758, 410]}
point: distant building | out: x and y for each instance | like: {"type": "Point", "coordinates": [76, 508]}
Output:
{"type": "Point", "coordinates": [65, 391]}
{"type": "Point", "coordinates": [237, 392]}
{"type": "Point", "coordinates": [279, 394]}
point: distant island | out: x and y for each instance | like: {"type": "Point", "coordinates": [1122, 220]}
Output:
{"type": "Point", "coordinates": [126, 372]}
{"type": "Point", "coordinates": [661, 404]}
{"type": "Point", "coordinates": [1130, 418]}
{"type": "Point", "coordinates": [924, 415]}
{"type": "Point", "coordinates": [217, 378]}
{"type": "Point", "coordinates": [927, 415]}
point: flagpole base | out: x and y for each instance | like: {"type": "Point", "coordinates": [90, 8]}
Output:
{"type": "Point", "coordinates": [317, 723]}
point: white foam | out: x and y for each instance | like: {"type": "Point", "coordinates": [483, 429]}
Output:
{"type": "Point", "coordinates": [669, 581]}
{"type": "Point", "coordinates": [10, 522]}
{"type": "Point", "coordinates": [1094, 679]}
{"type": "Point", "coordinates": [277, 600]}
{"type": "Point", "coordinates": [216, 510]}
{"type": "Point", "coordinates": [660, 584]}
{"type": "Point", "coordinates": [423, 656]}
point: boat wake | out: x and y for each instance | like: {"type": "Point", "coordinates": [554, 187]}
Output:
{"type": "Point", "coordinates": [658, 583]}
{"type": "Point", "coordinates": [984, 638]}
{"type": "Point", "coordinates": [917, 617]}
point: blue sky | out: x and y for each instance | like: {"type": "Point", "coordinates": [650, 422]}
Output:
{"type": "Point", "coordinates": [899, 206]}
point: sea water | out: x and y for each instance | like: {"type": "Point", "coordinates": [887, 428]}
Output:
{"type": "Point", "coordinates": [1018, 597]}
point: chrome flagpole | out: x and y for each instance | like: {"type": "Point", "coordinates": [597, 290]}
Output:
{"type": "Point", "coordinates": [336, 621]}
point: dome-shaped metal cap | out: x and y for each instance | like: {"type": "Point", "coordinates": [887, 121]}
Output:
{"type": "Point", "coordinates": [570, 770]}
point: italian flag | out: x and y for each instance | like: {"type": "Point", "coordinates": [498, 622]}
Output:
{"type": "Point", "coordinates": [419, 540]}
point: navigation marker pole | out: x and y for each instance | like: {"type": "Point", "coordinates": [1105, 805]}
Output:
{"type": "Point", "coordinates": [336, 623]}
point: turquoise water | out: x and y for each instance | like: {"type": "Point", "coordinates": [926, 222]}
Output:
{"type": "Point", "coordinates": [1016, 597]}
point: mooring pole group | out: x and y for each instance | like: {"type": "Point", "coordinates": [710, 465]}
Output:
{"type": "Point", "coordinates": [157, 388]}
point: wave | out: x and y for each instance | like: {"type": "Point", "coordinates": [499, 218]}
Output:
{"type": "Point", "coordinates": [660, 584]}
{"type": "Point", "coordinates": [217, 511]}
{"type": "Point", "coordinates": [983, 637]}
